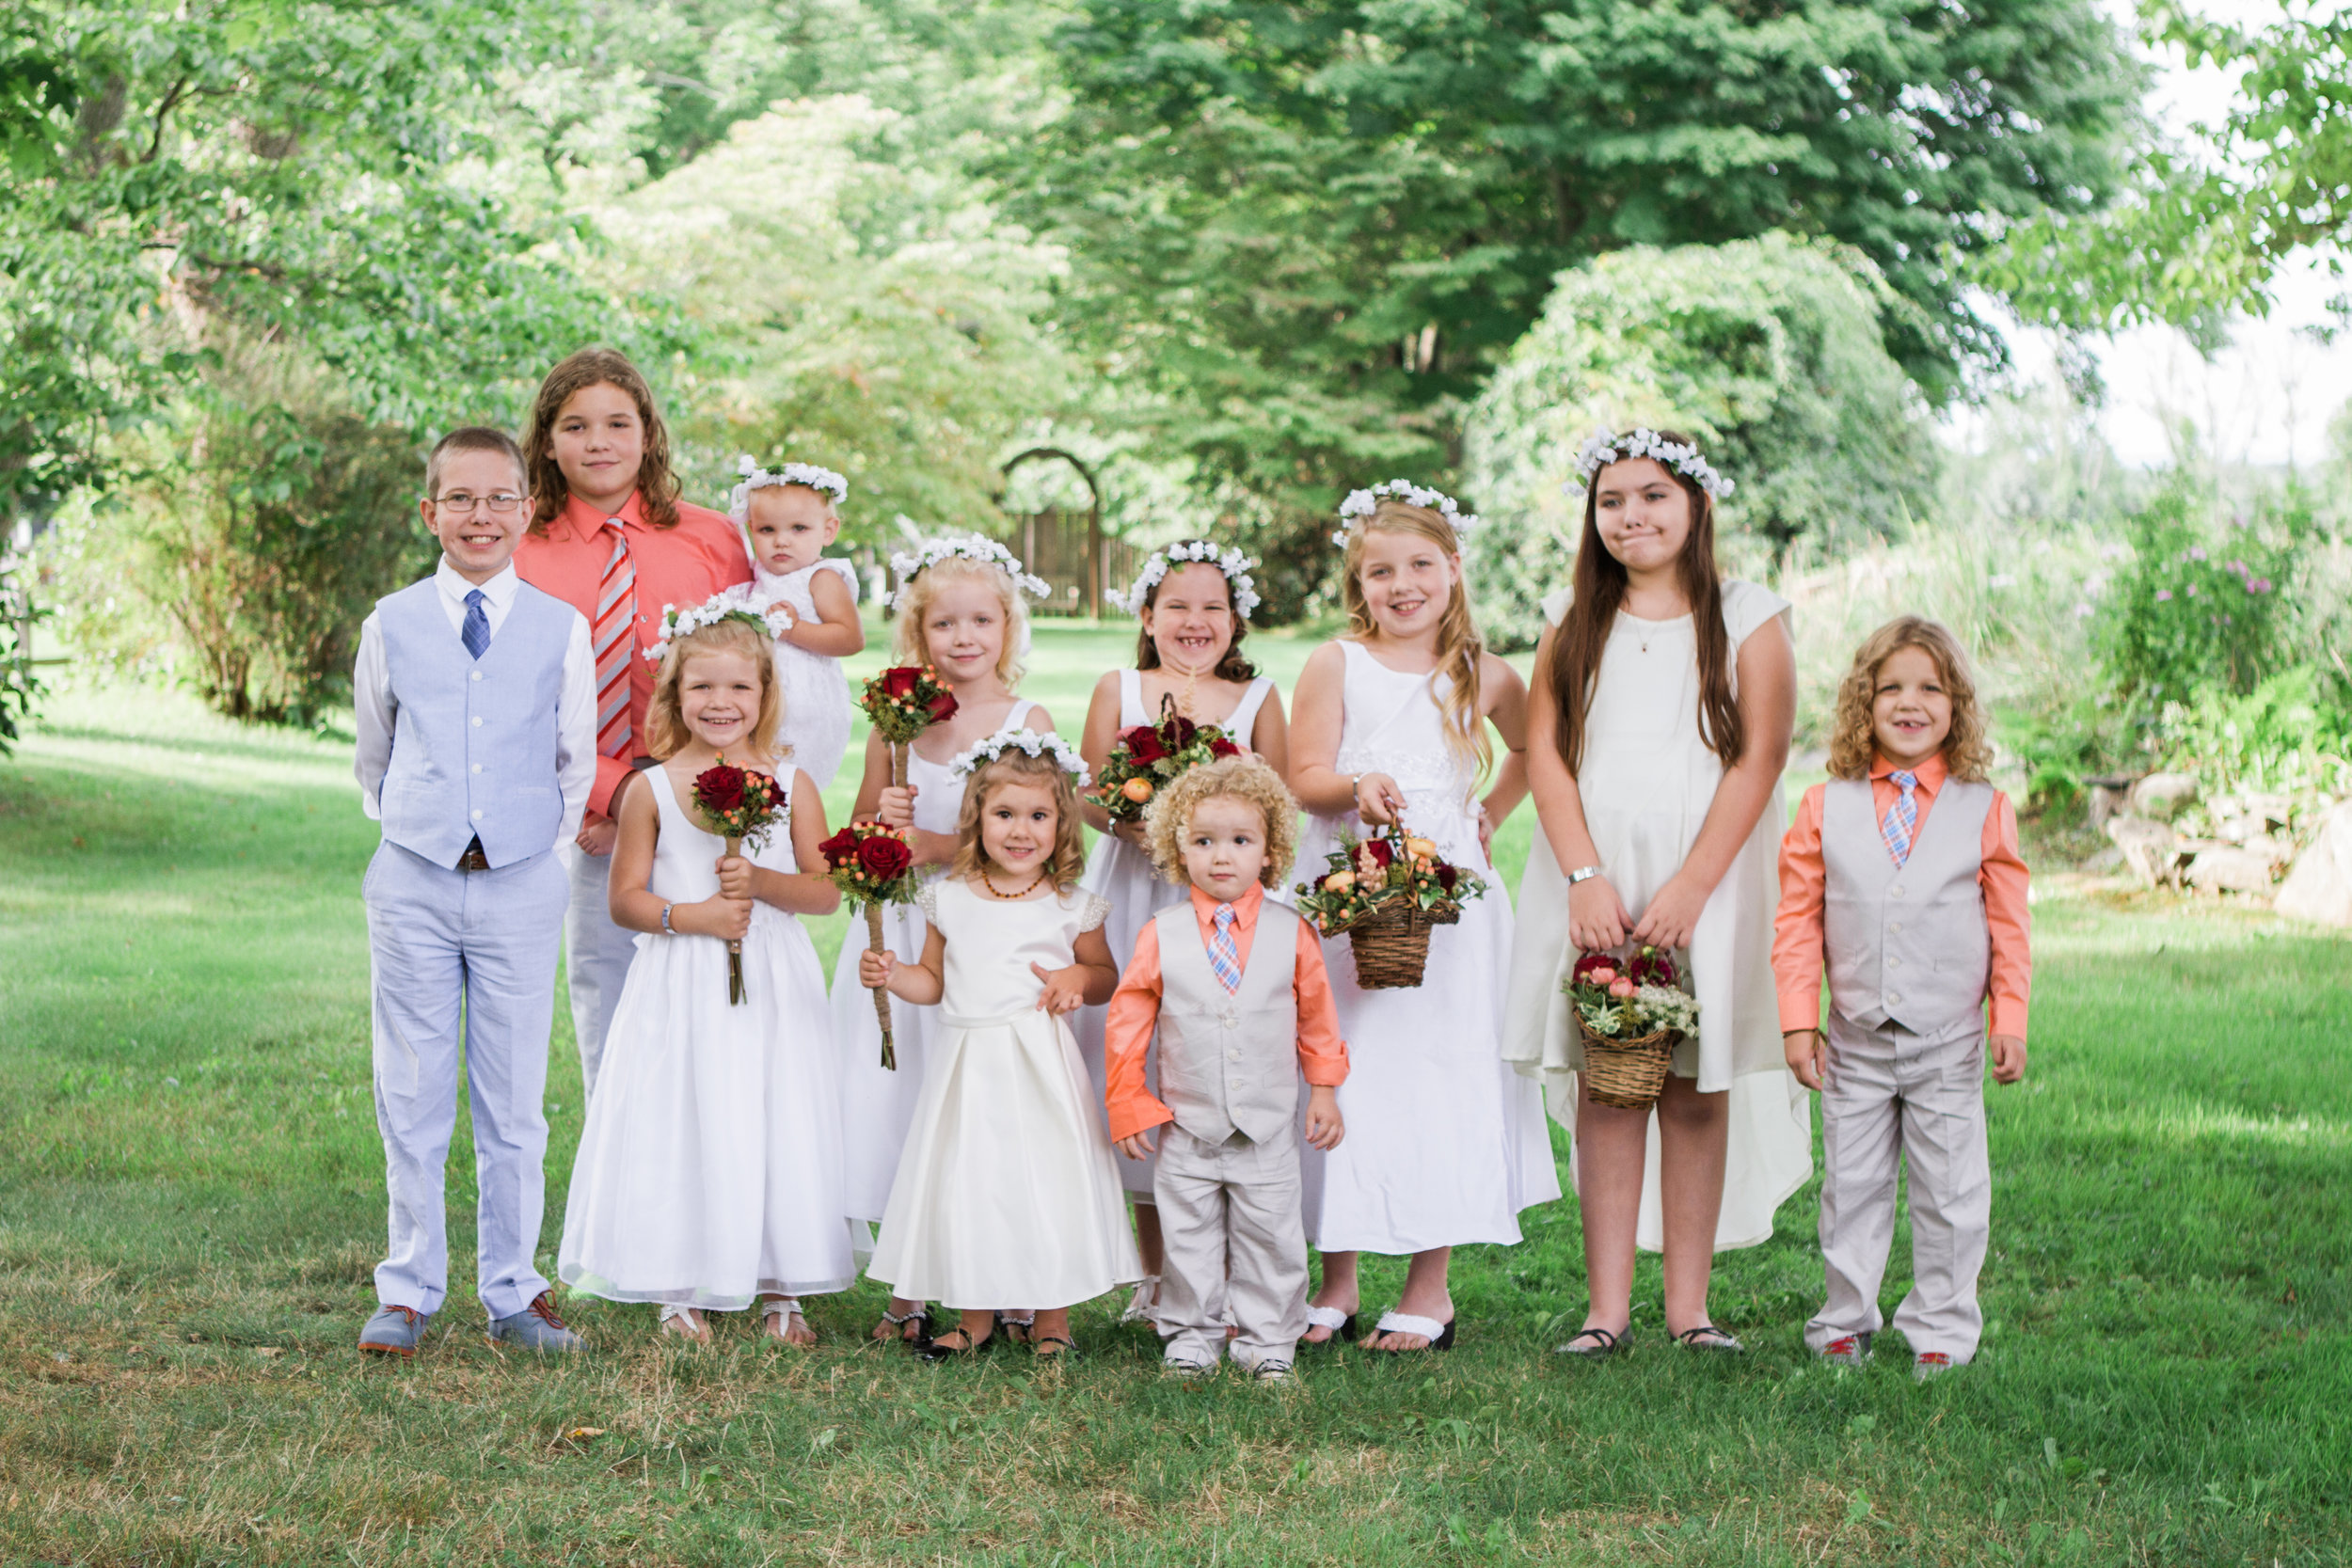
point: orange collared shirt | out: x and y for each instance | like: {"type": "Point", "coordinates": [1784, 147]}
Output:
{"type": "Point", "coordinates": [682, 565]}
{"type": "Point", "coordinates": [1135, 1014]}
{"type": "Point", "coordinates": [1797, 929]}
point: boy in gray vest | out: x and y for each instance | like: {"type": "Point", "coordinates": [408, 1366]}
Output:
{"type": "Point", "coordinates": [475, 695]}
{"type": "Point", "coordinates": [1901, 877]}
{"type": "Point", "coordinates": [1235, 990]}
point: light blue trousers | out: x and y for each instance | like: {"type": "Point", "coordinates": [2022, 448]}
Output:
{"type": "Point", "coordinates": [463, 975]}
{"type": "Point", "coordinates": [597, 957]}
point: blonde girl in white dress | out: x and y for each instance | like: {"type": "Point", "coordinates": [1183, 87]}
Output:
{"type": "Point", "coordinates": [1657, 731]}
{"type": "Point", "coordinates": [1006, 1197]}
{"type": "Point", "coordinates": [788, 514]}
{"type": "Point", "coordinates": [1194, 600]}
{"type": "Point", "coordinates": [1446, 1144]}
{"type": "Point", "coordinates": [961, 609]}
{"type": "Point", "coordinates": [709, 1167]}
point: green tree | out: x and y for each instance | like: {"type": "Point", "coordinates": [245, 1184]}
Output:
{"type": "Point", "coordinates": [1768, 350]}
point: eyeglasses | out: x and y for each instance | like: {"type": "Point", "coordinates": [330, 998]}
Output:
{"type": "Point", "coordinates": [501, 503]}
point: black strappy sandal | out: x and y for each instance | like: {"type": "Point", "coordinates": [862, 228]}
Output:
{"type": "Point", "coordinates": [1016, 1330]}
{"type": "Point", "coordinates": [936, 1348]}
{"type": "Point", "coordinates": [1604, 1344]}
{"type": "Point", "coordinates": [1715, 1341]}
{"type": "Point", "coordinates": [1068, 1351]}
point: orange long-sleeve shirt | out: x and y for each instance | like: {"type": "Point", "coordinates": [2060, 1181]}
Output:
{"type": "Point", "coordinates": [1797, 939]}
{"type": "Point", "coordinates": [682, 565]}
{"type": "Point", "coordinates": [1135, 1014]}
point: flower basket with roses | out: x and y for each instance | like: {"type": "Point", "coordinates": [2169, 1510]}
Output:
{"type": "Point", "coordinates": [1144, 759]}
{"type": "Point", "coordinates": [872, 866]}
{"type": "Point", "coordinates": [741, 806]}
{"type": "Point", "coordinates": [1387, 893]}
{"type": "Point", "coordinates": [902, 701]}
{"type": "Point", "coordinates": [1631, 1013]}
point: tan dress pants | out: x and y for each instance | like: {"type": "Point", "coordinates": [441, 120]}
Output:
{"type": "Point", "coordinates": [1894, 1099]}
{"type": "Point", "coordinates": [1235, 1203]}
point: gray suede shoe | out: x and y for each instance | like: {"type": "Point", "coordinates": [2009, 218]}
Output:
{"type": "Point", "coordinates": [535, 1327]}
{"type": "Point", "coordinates": [393, 1331]}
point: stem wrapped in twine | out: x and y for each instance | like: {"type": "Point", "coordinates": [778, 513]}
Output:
{"type": "Point", "coordinates": [881, 993]}
{"type": "Point", "coordinates": [736, 995]}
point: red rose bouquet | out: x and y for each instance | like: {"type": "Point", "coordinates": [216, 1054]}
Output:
{"type": "Point", "coordinates": [1145, 758]}
{"type": "Point", "coordinates": [740, 805]}
{"type": "Point", "coordinates": [902, 701]}
{"type": "Point", "coordinates": [872, 866]}
{"type": "Point", "coordinates": [1386, 891]}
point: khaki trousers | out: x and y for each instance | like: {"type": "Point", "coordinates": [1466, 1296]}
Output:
{"type": "Point", "coordinates": [1895, 1099]}
{"type": "Point", "coordinates": [1235, 1203]}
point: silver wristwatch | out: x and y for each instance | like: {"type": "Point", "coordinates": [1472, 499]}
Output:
{"type": "Point", "coordinates": [1582, 872]}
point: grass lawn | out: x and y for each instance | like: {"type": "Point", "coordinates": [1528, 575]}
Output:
{"type": "Point", "coordinates": [191, 1199]}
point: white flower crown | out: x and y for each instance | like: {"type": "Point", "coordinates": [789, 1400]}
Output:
{"type": "Point", "coordinates": [1037, 743]}
{"type": "Point", "coordinates": [1235, 564]}
{"type": "Point", "coordinates": [728, 604]}
{"type": "Point", "coordinates": [971, 547]}
{"type": "Point", "coordinates": [1604, 447]}
{"type": "Point", "coordinates": [1362, 503]}
{"type": "Point", "coordinates": [758, 478]}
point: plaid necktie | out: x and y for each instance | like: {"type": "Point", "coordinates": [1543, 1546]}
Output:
{"type": "Point", "coordinates": [617, 612]}
{"type": "Point", "coordinates": [1224, 958]}
{"type": "Point", "coordinates": [1902, 818]}
{"type": "Point", "coordinates": [476, 631]}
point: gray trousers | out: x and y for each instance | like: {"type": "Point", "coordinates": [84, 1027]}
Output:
{"type": "Point", "coordinates": [1894, 1098]}
{"type": "Point", "coordinates": [597, 955]}
{"type": "Point", "coordinates": [1236, 1203]}
{"type": "Point", "coordinates": [462, 967]}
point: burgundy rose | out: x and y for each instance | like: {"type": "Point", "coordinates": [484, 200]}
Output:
{"type": "Point", "coordinates": [1179, 732]}
{"type": "Point", "coordinates": [1592, 961]}
{"type": "Point", "coordinates": [1652, 966]}
{"type": "Point", "coordinates": [899, 680]}
{"type": "Point", "coordinates": [1446, 875]}
{"type": "Point", "coordinates": [1221, 748]}
{"type": "Point", "coordinates": [1143, 745]}
{"type": "Point", "coordinates": [841, 849]}
{"type": "Point", "coordinates": [942, 707]}
{"type": "Point", "coordinates": [720, 789]}
{"type": "Point", "coordinates": [1381, 850]}
{"type": "Point", "coordinates": [884, 860]}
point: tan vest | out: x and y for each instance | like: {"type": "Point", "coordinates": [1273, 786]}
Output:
{"type": "Point", "coordinates": [1906, 944]}
{"type": "Point", "coordinates": [1230, 1063]}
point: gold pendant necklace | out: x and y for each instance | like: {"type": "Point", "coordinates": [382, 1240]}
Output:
{"type": "Point", "coordinates": [989, 882]}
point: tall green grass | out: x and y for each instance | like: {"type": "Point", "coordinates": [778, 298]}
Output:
{"type": "Point", "coordinates": [191, 1199]}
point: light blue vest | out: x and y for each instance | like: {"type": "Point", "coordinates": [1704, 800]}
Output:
{"type": "Point", "coordinates": [473, 740]}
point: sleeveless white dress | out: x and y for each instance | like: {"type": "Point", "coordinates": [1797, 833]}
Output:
{"type": "Point", "coordinates": [1006, 1196]}
{"type": "Point", "coordinates": [876, 1103]}
{"type": "Point", "coordinates": [818, 709]}
{"type": "Point", "coordinates": [1647, 782]}
{"type": "Point", "coordinates": [1445, 1143]}
{"type": "Point", "coordinates": [1123, 873]}
{"type": "Point", "coordinates": [710, 1164]}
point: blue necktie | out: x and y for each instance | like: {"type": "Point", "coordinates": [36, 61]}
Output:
{"type": "Point", "coordinates": [476, 631]}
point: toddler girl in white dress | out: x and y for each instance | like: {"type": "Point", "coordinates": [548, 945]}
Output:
{"type": "Point", "coordinates": [1006, 1196]}
{"type": "Point", "coordinates": [788, 515]}
{"type": "Point", "coordinates": [709, 1167]}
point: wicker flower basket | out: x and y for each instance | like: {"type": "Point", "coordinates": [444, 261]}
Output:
{"type": "Point", "coordinates": [1628, 1074]}
{"type": "Point", "coordinates": [1392, 942]}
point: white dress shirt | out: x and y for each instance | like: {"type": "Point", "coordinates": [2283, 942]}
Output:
{"type": "Point", "coordinates": [575, 716]}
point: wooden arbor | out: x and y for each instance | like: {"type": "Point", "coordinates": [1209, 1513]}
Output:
{"type": "Point", "coordinates": [1065, 548]}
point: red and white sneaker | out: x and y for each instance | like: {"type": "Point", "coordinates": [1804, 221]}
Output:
{"type": "Point", "coordinates": [1929, 1363]}
{"type": "Point", "coordinates": [1851, 1350]}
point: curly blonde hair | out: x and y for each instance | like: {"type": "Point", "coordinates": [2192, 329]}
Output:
{"type": "Point", "coordinates": [1244, 778]}
{"type": "Point", "coordinates": [908, 643]}
{"type": "Point", "coordinates": [1854, 742]}
{"type": "Point", "coordinates": [666, 733]}
{"type": "Point", "coordinates": [1068, 861]}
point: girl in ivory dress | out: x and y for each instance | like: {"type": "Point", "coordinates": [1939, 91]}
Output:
{"type": "Point", "coordinates": [1006, 1196]}
{"type": "Point", "coordinates": [788, 515]}
{"type": "Point", "coordinates": [1657, 731]}
{"type": "Point", "coordinates": [1194, 600]}
{"type": "Point", "coordinates": [709, 1168]}
{"type": "Point", "coordinates": [961, 611]}
{"type": "Point", "coordinates": [1445, 1143]}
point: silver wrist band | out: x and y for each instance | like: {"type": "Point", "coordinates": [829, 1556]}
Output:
{"type": "Point", "coordinates": [665, 920]}
{"type": "Point", "coordinates": [1582, 872]}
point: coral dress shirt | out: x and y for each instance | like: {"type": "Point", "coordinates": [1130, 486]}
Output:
{"type": "Point", "coordinates": [1797, 931]}
{"type": "Point", "coordinates": [681, 566]}
{"type": "Point", "coordinates": [1134, 1013]}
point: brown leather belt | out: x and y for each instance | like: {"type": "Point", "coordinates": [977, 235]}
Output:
{"type": "Point", "coordinates": [473, 859]}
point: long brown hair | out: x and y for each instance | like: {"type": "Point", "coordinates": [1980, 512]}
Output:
{"type": "Point", "coordinates": [1232, 666]}
{"type": "Point", "coordinates": [1854, 740]}
{"type": "Point", "coordinates": [1599, 589]}
{"type": "Point", "coordinates": [1067, 861]}
{"type": "Point", "coordinates": [1458, 643]}
{"type": "Point", "coordinates": [657, 486]}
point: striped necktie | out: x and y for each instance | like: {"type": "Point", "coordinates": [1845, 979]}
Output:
{"type": "Point", "coordinates": [1224, 958]}
{"type": "Point", "coordinates": [476, 631]}
{"type": "Point", "coordinates": [1902, 818]}
{"type": "Point", "coordinates": [616, 645]}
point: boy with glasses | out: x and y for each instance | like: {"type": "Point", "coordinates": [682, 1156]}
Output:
{"type": "Point", "coordinates": [475, 696]}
